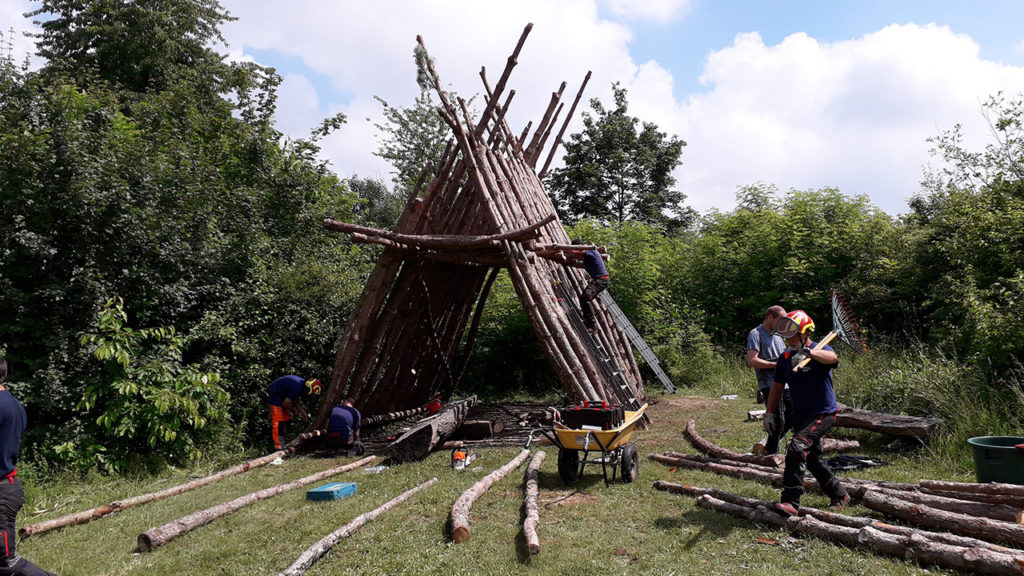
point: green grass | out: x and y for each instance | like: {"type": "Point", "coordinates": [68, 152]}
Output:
{"type": "Point", "coordinates": [587, 529]}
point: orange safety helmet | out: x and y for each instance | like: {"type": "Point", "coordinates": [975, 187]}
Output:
{"type": "Point", "coordinates": [314, 386]}
{"type": "Point", "coordinates": [795, 321]}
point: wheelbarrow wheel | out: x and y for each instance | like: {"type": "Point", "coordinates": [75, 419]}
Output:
{"type": "Point", "coordinates": [569, 466]}
{"type": "Point", "coordinates": [630, 463]}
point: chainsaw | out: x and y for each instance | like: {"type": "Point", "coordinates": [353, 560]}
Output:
{"type": "Point", "coordinates": [462, 458]}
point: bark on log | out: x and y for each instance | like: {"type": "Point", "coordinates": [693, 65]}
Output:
{"type": "Point", "coordinates": [460, 510]}
{"type": "Point", "coordinates": [921, 515]}
{"type": "Point", "coordinates": [827, 445]}
{"type": "Point", "coordinates": [106, 510]}
{"type": "Point", "coordinates": [917, 546]}
{"type": "Point", "coordinates": [755, 415]}
{"type": "Point", "coordinates": [391, 416]}
{"type": "Point", "coordinates": [160, 535]}
{"type": "Point", "coordinates": [452, 242]}
{"type": "Point", "coordinates": [893, 424]}
{"type": "Point", "coordinates": [532, 519]}
{"type": "Point", "coordinates": [707, 447]}
{"type": "Point", "coordinates": [994, 511]}
{"type": "Point", "coordinates": [419, 441]}
{"type": "Point", "coordinates": [317, 551]}
{"type": "Point", "coordinates": [993, 488]}
{"type": "Point", "coordinates": [1014, 501]}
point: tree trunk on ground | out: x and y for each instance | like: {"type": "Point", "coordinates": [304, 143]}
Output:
{"type": "Point", "coordinates": [916, 546]}
{"type": "Point", "coordinates": [993, 488]}
{"type": "Point", "coordinates": [418, 442]}
{"type": "Point", "coordinates": [774, 460]}
{"type": "Point", "coordinates": [532, 519]}
{"type": "Point", "coordinates": [1012, 501]}
{"type": "Point", "coordinates": [999, 512]}
{"type": "Point", "coordinates": [921, 515]}
{"type": "Point", "coordinates": [460, 511]}
{"type": "Point", "coordinates": [827, 445]}
{"type": "Point", "coordinates": [155, 537]}
{"type": "Point", "coordinates": [101, 511]}
{"type": "Point", "coordinates": [893, 424]}
{"type": "Point", "coordinates": [391, 416]}
{"type": "Point", "coordinates": [316, 551]}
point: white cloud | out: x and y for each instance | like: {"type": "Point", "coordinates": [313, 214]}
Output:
{"type": "Point", "coordinates": [853, 114]}
{"type": "Point", "coordinates": [660, 11]}
{"type": "Point", "coordinates": [12, 16]}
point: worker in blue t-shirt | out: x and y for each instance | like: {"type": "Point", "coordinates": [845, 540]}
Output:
{"type": "Point", "coordinates": [12, 494]}
{"type": "Point", "coordinates": [764, 347]}
{"type": "Point", "coordinates": [814, 411]}
{"type": "Point", "coordinates": [284, 399]}
{"type": "Point", "coordinates": [343, 428]}
{"type": "Point", "coordinates": [593, 263]}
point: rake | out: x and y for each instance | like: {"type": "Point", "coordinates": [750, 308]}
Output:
{"type": "Point", "coordinates": [844, 326]}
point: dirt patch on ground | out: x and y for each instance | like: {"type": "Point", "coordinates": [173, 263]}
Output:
{"type": "Point", "coordinates": [551, 500]}
{"type": "Point", "coordinates": [692, 403]}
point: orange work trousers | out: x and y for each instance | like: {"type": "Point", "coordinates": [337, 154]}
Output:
{"type": "Point", "coordinates": [277, 417]}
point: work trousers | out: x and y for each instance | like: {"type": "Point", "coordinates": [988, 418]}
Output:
{"type": "Point", "coordinates": [12, 498]}
{"type": "Point", "coordinates": [594, 287]}
{"type": "Point", "coordinates": [278, 424]}
{"type": "Point", "coordinates": [804, 452]}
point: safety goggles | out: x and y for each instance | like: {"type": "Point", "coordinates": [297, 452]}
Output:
{"type": "Point", "coordinates": [786, 327]}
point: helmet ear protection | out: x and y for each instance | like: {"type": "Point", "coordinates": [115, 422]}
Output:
{"type": "Point", "coordinates": [314, 386]}
{"type": "Point", "coordinates": [795, 322]}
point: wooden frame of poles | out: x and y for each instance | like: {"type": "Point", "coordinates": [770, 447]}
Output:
{"type": "Point", "coordinates": [412, 331]}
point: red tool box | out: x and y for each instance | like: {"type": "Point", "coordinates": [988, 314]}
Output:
{"type": "Point", "coordinates": [600, 415]}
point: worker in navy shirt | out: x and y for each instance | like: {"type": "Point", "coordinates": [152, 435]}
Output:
{"type": "Point", "coordinates": [12, 494]}
{"type": "Point", "coordinates": [593, 263]}
{"type": "Point", "coordinates": [285, 402]}
{"type": "Point", "coordinates": [343, 427]}
{"type": "Point", "coordinates": [814, 411]}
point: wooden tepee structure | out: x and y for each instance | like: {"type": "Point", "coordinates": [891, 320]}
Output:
{"type": "Point", "coordinates": [411, 334]}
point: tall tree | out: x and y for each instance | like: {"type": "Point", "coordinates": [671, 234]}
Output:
{"type": "Point", "coordinates": [411, 139]}
{"type": "Point", "coordinates": [619, 169]}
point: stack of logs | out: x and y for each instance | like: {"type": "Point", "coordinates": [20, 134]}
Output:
{"type": "Point", "coordinates": [411, 333]}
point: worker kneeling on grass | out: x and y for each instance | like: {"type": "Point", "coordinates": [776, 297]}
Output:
{"type": "Point", "coordinates": [284, 397]}
{"type": "Point", "coordinates": [814, 411]}
{"type": "Point", "coordinates": [343, 428]}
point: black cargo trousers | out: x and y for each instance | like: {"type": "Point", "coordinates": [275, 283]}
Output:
{"type": "Point", "coordinates": [12, 498]}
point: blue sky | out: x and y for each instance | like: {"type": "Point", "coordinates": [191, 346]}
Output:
{"type": "Point", "coordinates": [798, 94]}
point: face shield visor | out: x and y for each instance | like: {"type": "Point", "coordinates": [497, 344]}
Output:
{"type": "Point", "coordinates": [786, 327]}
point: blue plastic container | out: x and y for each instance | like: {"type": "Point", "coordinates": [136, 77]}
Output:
{"type": "Point", "coordinates": [332, 491]}
{"type": "Point", "coordinates": [997, 459]}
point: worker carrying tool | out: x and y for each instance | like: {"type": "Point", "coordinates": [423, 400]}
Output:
{"type": "Point", "coordinates": [599, 280]}
{"type": "Point", "coordinates": [284, 397]}
{"type": "Point", "coordinates": [343, 428]}
{"type": "Point", "coordinates": [814, 411]}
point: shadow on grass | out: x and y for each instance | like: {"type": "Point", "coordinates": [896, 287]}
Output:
{"type": "Point", "coordinates": [711, 526]}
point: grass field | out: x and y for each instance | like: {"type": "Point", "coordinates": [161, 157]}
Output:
{"type": "Point", "coordinates": [587, 529]}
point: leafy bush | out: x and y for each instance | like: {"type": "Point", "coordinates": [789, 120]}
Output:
{"type": "Point", "coordinates": [152, 409]}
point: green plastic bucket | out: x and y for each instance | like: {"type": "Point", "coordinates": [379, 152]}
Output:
{"type": "Point", "coordinates": [996, 458]}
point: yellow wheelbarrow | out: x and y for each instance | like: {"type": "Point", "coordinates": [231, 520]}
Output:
{"type": "Point", "coordinates": [616, 451]}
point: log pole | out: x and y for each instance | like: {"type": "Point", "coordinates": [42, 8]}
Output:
{"type": "Point", "coordinates": [460, 511]}
{"type": "Point", "coordinates": [532, 519]}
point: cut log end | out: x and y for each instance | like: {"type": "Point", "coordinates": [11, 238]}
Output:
{"type": "Point", "coordinates": [145, 545]}
{"type": "Point", "coordinates": [460, 534]}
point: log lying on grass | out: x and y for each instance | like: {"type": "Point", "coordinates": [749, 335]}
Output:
{"type": "Point", "coordinates": [707, 447]}
{"type": "Point", "coordinates": [532, 519]}
{"type": "Point", "coordinates": [317, 551]}
{"type": "Point", "coordinates": [835, 518]}
{"type": "Point", "coordinates": [1013, 501]}
{"type": "Point", "coordinates": [990, 488]}
{"type": "Point", "coordinates": [917, 546]}
{"type": "Point", "coordinates": [391, 416]}
{"type": "Point", "coordinates": [430, 432]}
{"type": "Point", "coordinates": [106, 510]}
{"type": "Point", "coordinates": [911, 427]}
{"type": "Point", "coordinates": [827, 445]}
{"type": "Point", "coordinates": [161, 535]}
{"type": "Point", "coordinates": [964, 524]}
{"type": "Point", "coordinates": [460, 511]}
{"type": "Point", "coordinates": [999, 512]}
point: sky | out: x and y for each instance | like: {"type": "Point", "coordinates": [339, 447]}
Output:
{"type": "Point", "coordinates": [797, 94]}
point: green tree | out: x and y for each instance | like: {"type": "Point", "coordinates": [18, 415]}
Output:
{"type": "Point", "coordinates": [412, 139]}
{"type": "Point", "coordinates": [152, 408]}
{"type": "Point", "coordinates": [619, 169]}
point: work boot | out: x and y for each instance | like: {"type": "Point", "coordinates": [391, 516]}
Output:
{"type": "Point", "coordinates": [839, 503]}
{"type": "Point", "coordinates": [786, 509]}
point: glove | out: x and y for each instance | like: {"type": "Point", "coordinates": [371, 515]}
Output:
{"type": "Point", "coordinates": [801, 355]}
{"type": "Point", "coordinates": [771, 423]}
